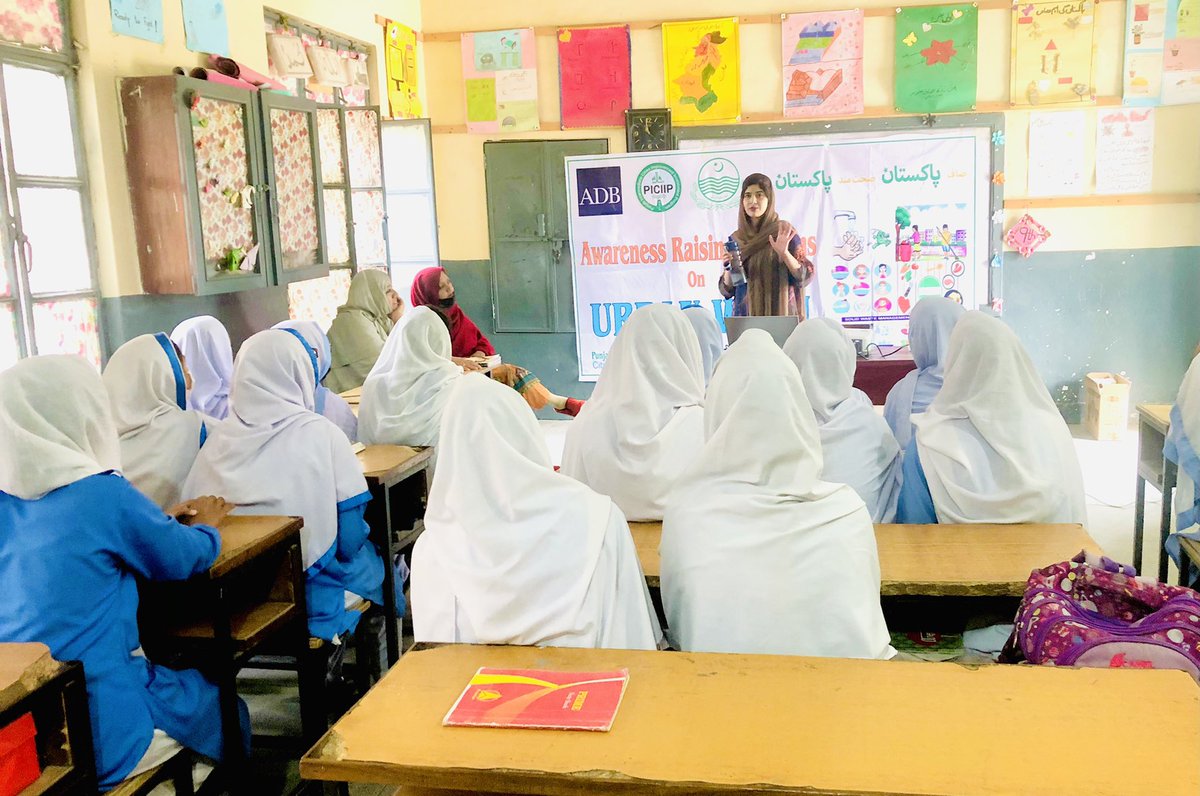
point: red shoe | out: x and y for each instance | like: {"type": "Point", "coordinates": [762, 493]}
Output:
{"type": "Point", "coordinates": [572, 408]}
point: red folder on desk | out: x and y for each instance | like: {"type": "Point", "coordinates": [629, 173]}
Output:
{"type": "Point", "coordinates": [539, 699]}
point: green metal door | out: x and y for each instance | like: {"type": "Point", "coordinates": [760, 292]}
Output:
{"type": "Point", "coordinates": [527, 225]}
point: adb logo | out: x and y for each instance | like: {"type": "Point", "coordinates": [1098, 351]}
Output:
{"type": "Point", "coordinates": [599, 191]}
{"type": "Point", "coordinates": [658, 187]}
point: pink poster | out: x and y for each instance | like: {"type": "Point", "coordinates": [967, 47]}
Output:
{"type": "Point", "coordinates": [823, 63]}
{"type": "Point", "coordinates": [500, 76]}
{"type": "Point", "coordinates": [594, 76]}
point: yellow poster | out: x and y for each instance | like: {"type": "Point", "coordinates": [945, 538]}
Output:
{"type": "Point", "coordinates": [1052, 52]}
{"type": "Point", "coordinates": [400, 48]}
{"type": "Point", "coordinates": [700, 62]}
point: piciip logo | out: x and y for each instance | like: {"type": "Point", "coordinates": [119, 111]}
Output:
{"type": "Point", "coordinates": [599, 191]}
{"type": "Point", "coordinates": [658, 187]}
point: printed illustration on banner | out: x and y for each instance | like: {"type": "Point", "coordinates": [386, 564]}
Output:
{"type": "Point", "coordinates": [658, 187]}
{"type": "Point", "coordinates": [598, 191]}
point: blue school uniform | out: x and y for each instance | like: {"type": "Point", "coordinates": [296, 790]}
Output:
{"type": "Point", "coordinates": [915, 506]}
{"type": "Point", "coordinates": [352, 564]}
{"type": "Point", "coordinates": [68, 567]}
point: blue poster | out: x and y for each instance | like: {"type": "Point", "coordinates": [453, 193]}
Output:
{"type": "Point", "coordinates": [140, 18]}
{"type": "Point", "coordinates": [205, 25]}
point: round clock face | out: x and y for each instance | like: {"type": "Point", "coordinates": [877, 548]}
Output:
{"type": "Point", "coordinates": [648, 133]}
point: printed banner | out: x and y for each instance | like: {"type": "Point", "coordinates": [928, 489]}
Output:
{"type": "Point", "coordinates": [1145, 26]}
{"type": "Point", "coordinates": [1124, 151]}
{"type": "Point", "coordinates": [823, 64]}
{"type": "Point", "coordinates": [1181, 53]}
{"type": "Point", "coordinates": [1052, 52]}
{"type": "Point", "coordinates": [936, 58]}
{"type": "Point", "coordinates": [400, 47]}
{"type": "Point", "coordinates": [594, 79]}
{"type": "Point", "coordinates": [887, 219]}
{"type": "Point", "coordinates": [500, 73]}
{"type": "Point", "coordinates": [700, 64]}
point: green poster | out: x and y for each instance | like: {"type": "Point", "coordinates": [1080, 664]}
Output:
{"type": "Point", "coordinates": [936, 58]}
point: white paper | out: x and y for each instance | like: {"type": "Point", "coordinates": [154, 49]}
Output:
{"type": "Point", "coordinates": [1056, 153]}
{"type": "Point", "coordinates": [1125, 150]}
{"type": "Point", "coordinates": [516, 84]}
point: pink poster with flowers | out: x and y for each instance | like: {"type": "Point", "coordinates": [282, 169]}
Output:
{"type": "Point", "coordinates": [823, 63]}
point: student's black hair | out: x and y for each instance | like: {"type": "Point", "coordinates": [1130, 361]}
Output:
{"type": "Point", "coordinates": [178, 350]}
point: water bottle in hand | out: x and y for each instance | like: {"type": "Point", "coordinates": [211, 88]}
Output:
{"type": "Point", "coordinates": [736, 273]}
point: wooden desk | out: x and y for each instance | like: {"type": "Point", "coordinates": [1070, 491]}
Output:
{"type": "Point", "coordinates": [939, 560]}
{"type": "Point", "coordinates": [352, 396]}
{"type": "Point", "coordinates": [55, 694]}
{"type": "Point", "coordinates": [1153, 422]}
{"type": "Point", "coordinates": [707, 723]}
{"type": "Point", "coordinates": [253, 593]}
{"type": "Point", "coordinates": [389, 468]}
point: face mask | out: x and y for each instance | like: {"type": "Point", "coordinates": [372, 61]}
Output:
{"type": "Point", "coordinates": [446, 302]}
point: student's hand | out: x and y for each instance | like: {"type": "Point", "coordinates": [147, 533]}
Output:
{"type": "Point", "coordinates": [469, 365]}
{"type": "Point", "coordinates": [783, 238]}
{"type": "Point", "coordinates": [206, 510]}
{"type": "Point", "coordinates": [398, 312]}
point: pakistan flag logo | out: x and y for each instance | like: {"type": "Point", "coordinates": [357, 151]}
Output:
{"type": "Point", "coordinates": [718, 180]}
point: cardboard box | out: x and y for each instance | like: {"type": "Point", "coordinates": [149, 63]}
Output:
{"type": "Point", "coordinates": [1106, 405]}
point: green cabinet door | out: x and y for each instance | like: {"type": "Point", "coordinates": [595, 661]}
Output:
{"type": "Point", "coordinates": [527, 224]}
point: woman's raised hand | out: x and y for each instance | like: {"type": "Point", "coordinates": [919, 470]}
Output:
{"type": "Point", "coordinates": [783, 238]}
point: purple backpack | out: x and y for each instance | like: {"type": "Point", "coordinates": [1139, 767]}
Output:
{"type": "Point", "coordinates": [1092, 612]}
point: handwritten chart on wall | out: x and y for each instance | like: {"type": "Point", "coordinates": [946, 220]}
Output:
{"type": "Point", "coordinates": [823, 64]}
{"type": "Point", "coordinates": [1125, 151]}
{"type": "Point", "coordinates": [1181, 53]}
{"type": "Point", "coordinates": [594, 76]}
{"type": "Point", "coordinates": [1052, 52]}
{"type": "Point", "coordinates": [936, 58]}
{"type": "Point", "coordinates": [400, 47]}
{"type": "Point", "coordinates": [1145, 28]}
{"type": "Point", "coordinates": [500, 73]}
{"type": "Point", "coordinates": [140, 18]}
{"type": "Point", "coordinates": [700, 64]}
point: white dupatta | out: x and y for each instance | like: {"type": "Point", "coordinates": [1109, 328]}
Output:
{"type": "Point", "coordinates": [858, 447]}
{"type": "Point", "coordinates": [759, 554]}
{"type": "Point", "coordinates": [643, 425]}
{"type": "Point", "coordinates": [993, 446]}
{"type": "Point", "coordinates": [274, 454]}
{"type": "Point", "coordinates": [159, 437]}
{"type": "Point", "coordinates": [515, 553]}
{"type": "Point", "coordinates": [56, 426]}
{"type": "Point", "coordinates": [406, 392]}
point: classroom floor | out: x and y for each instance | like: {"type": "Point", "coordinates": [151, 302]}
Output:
{"type": "Point", "coordinates": [1108, 471]}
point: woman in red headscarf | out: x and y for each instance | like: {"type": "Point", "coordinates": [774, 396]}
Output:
{"type": "Point", "coordinates": [432, 288]}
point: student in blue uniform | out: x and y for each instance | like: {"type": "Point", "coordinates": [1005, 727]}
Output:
{"type": "Point", "coordinates": [275, 455]}
{"type": "Point", "coordinates": [147, 382]}
{"type": "Point", "coordinates": [992, 447]}
{"type": "Point", "coordinates": [74, 537]}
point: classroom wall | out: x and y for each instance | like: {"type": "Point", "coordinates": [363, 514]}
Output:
{"type": "Point", "coordinates": [105, 57]}
{"type": "Point", "coordinates": [1141, 284]}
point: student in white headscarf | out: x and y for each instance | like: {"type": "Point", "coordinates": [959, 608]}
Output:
{"type": "Point", "coordinates": [992, 447]}
{"type": "Point", "coordinates": [75, 538]}
{"type": "Point", "coordinates": [275, 455]}
{"type": "Point", "coordinates": [759, 554]}
{"type": "Point", "coordinates": [858, 447]}
{"type": "Point", "coordinates": [712, 345]}
{"type": "Point", "coordinates": [329, 404]}
{"type": "Point", "coordinates": [1182, 447]}
{"type": "Point", "coordinates": [929, 329]}
{"type": "Point", "coordinates": [515, 553]}
{"type": "Point", "coordinates": [147, 382]}
{"type": "Point", "coordinates": [643, 425]}
{"type": "Point", "coordinates": [406, 392]}
{"type": "Point", "coordinates": [205, 344]}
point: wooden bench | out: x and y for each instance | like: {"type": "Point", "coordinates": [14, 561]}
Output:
{"type": "Point", "coordinates": [708, 724]}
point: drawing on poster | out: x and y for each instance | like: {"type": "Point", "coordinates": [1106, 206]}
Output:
{"type": "Point", "coordinates": [1052, 52]}
{"type": "Point", "coordinates": [702, 79]}
{"type": "Point", "coordinates": [823, 63]}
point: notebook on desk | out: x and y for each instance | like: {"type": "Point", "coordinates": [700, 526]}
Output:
{"type": "Point", "coordinates": [780, 327]}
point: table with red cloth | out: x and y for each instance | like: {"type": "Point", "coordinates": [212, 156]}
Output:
{"type": "Point", "coordinates": [877, 374]}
